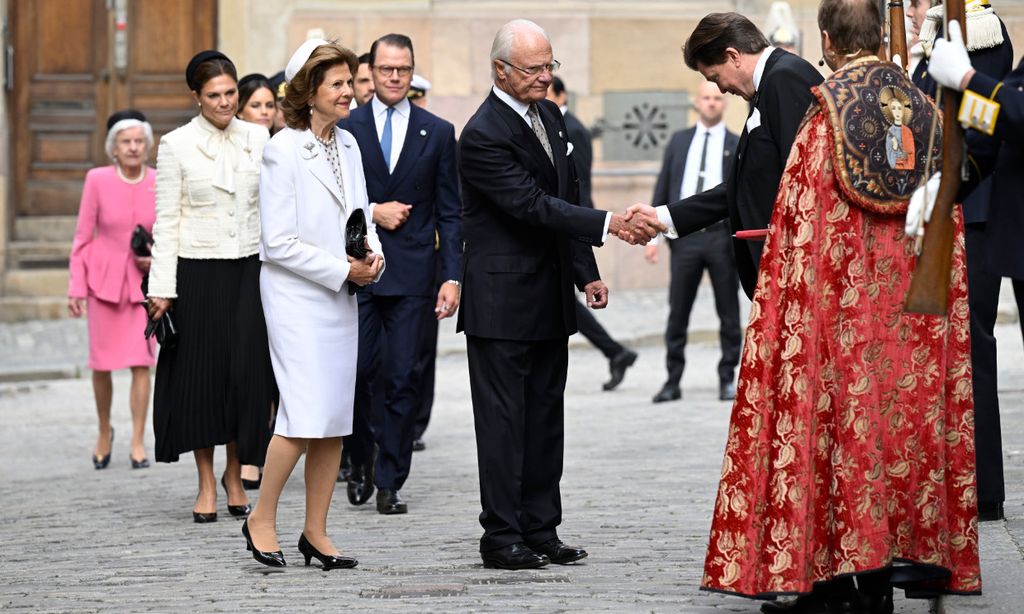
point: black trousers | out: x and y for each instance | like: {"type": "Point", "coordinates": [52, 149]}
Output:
{"type": "Point", "coordinates": [709, 249]}
{"type": "Point", "coordinates": [426, 358]}
{"type": "Point", "coordinates": [389, 332]}
{"type": "Point", "coordinates": [518, 390]}
{"type": "Point", "coordinates": [983, 298]}
{"type": "Point", "coordinates": [595, 333]}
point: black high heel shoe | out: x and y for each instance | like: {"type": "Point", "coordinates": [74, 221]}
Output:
{"type": "Point", "coordinates": [139, 464]}
{"type": "Point", "coordinates": [101, 462]}
{"type": "Point", "coordinates": [329, 561]}
{"type": "Point", "coordinates": [239, 511]}
{"type": "Point", "coordinates": [270, 559]}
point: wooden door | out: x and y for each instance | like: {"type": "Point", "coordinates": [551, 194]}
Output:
{"type": "Point", "coordinates": [78, 61]}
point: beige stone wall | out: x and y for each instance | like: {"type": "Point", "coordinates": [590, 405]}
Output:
{"type": "Point", "coordinates": [604, 46]}
{"type": "Point", "coordinates": [6, 211]}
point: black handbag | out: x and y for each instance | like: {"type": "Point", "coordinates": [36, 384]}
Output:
{"type": "Point", "coordinates": [141, 240]}
{"type": "Point", "coordinates": [164, 329]}
{"type": "Point", "coordinates": [355, 241]}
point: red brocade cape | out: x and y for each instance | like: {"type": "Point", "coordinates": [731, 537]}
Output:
{"type": "Point", "coordinates": [851, 443]}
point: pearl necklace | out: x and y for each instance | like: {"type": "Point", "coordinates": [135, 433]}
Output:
{"type": "Point", "coordinates": [138, 179]}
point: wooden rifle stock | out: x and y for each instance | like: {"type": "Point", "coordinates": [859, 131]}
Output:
{"type": "Point", "coordinates": [929, 284]}
{"type": "Point", "coordinates": [898, 33]}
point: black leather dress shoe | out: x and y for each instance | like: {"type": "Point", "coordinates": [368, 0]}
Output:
{"type": "Point", "coordinates": [811, 604]}
{"type": "Point", "coordinates": [515, 556]}
{"type": "Point", "coordinates": [360, 484]}
{"type": "Point", "coordinates": [557, 552]}
{"type": "Point", "coordinates": [668, 392]}
{"type": "Point", "coordinates": [617, 366]}
{"type": "Point", "coordinates": [990, 511]}
{"type": "Point", "coordinates": [418, 445]}
{"type": "Point", "coordinates": [390, 502]}
{"type": "Point", "coordinates": [726, 391]}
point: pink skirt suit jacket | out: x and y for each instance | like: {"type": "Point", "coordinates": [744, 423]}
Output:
{"type": "Point", "coordinates": [103, 267]}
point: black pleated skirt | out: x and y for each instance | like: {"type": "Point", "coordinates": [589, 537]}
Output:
{"type": "Point", "coordinates": [217, 385]}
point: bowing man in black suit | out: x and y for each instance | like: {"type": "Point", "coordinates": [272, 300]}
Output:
{"type": "Point", "coordinates": [526, 246]}
{"type": "Point", "coordinates": [409, 160]}
{"type": "Point", "coordinates": [697, 159]}
{"type": "Point", "coordinates": [733, 54]}
{"type": "Point", "coordinates": [619, 356]}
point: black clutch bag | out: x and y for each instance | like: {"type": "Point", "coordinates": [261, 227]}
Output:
{"type": "Point", "coordinates": [141, 240]}
{"type": "Point", "coordinates": [355, 240]}
{"type": "Point", "coordinates": [164, 329]}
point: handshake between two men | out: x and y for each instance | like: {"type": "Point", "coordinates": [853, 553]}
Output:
{"type": "Point", "coordinates": [638, 225]}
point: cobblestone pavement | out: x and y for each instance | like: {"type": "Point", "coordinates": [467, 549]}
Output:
{"type": "Point", "coordinates": [638, 489]}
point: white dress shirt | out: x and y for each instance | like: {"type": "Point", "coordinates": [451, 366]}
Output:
{"type": "Point", "coordinates": [712, 162]}
{"type": "Point", "coordinates": [399, 126]}
{"type": "Point", "coordinates": [521, 108]}
{"type": "Point", "coordinates": [663, 215]}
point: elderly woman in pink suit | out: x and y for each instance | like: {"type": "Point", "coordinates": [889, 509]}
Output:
{"type": "Point", "coordinates": [106, 276]}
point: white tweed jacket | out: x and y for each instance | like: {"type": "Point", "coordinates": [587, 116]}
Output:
{"type": "Point", "coordinates": [207, 197]}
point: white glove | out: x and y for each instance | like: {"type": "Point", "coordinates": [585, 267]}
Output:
{"type": "Point", "coordinates": [949, 61]}
{"type": "Point", "coordinates": [922, 201]}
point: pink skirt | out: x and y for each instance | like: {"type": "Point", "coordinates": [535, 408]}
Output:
{"type": "Point", "coordinates": [116, 334]}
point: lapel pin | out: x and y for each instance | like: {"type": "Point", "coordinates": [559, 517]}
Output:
{"type": "Point", "coordinates": [423, 133]}
{"type": "Point", "coordinates": [560, 134]}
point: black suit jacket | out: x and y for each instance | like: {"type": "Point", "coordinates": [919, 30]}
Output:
{"type": "Point", "coordinates": [583, 154]}
{"type": "Point", "coordinates": [424, 178]}
{"type": "Point", "coordinates": [526, 242]}
{"type": "Point", "coordinates": [673, 165]}
{"type": "Point", "coordinates": [746, 198]}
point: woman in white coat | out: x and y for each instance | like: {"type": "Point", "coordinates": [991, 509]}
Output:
{"type": "Point", "coordinates": [311, 181]}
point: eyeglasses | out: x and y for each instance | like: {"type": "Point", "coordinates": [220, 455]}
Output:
{"type": "Point", "coordinates": [533, 71]}
{"type": "Point", "coordinates": [387, 71]}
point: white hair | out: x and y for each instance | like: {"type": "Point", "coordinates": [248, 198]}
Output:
{"type": "Point", "coordinates": [124, 124]}
{"type": "Point", "coordinates": [501, 48]}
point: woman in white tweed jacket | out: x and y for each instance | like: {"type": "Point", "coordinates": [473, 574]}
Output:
{"type": "Point", "coordinates": [216, 385]}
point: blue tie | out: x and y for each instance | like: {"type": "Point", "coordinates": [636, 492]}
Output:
{"type": "Point", "coordinates": [385, 140]}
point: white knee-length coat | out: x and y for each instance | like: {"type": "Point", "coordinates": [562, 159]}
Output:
{"type": "Point", "coordinates": [312, 320]}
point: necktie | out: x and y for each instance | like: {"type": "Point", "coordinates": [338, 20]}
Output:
{"type": "Point", "coordinates": [542, 134]}
{"type": "Point", "coordinates": [385, 140]}
{"type": "Point", "coordinates": [703, 163]}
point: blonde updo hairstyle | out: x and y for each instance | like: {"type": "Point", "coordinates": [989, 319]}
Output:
{"type": "Point", "coordinates": [300, 90]}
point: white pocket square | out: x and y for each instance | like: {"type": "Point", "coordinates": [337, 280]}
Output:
{"type": "Point", "coordinates": [753, 121]}
{"type": "Point", "coordinates": [568, 148]}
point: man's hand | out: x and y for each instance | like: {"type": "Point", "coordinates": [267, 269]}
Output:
{"type": "Point", "coordinates": [447, 300]}
{"type": "Point", "coordinates": [634, 229]}
{"type": "Point", "coordinates": [76, 306]}
{"type": "Point", "coordinates": [391, 215]}
{"type": "Point", "coordinates": [651, 253]}
{"type": "Point", "coordinates": [597, 294]}
{"type": "Point", "coordinates": [949, 64]}
{"type": "Point", "coordinates": [364, 271]}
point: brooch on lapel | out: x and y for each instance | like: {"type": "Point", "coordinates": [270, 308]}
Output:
{"type": "Point", "coordinates": [310, 152]}
{"type": "Point", "coordinates": [423, 133]}
{"type": "Point", "coordinates": [568, 147]}
{"type": "Point", "coordinates": [560, 135]}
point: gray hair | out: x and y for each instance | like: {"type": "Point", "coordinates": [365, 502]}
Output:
{"type": "Point", "coordinates": [124, 124]}
{"type": "Point", "coordinates": [501, 49]}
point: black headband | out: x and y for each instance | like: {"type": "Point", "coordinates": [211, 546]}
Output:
{"type": "Point", "coordinates": [197, 59]}
{"type": "Point", "coordinates": [126, 114]}
{"type": "Point", "coordinates": [252, 77]}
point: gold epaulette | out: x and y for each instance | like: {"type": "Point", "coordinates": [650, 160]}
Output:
{"type": "Point", "coordinates": [979, 112]}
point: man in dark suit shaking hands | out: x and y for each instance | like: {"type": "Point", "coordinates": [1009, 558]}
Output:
{"type": "Point", "coordinates": [733, 54]}
{"type": "Point", "coordinates": [409, 160]}
{"type": "Point", "coordinates": [526, 245]}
